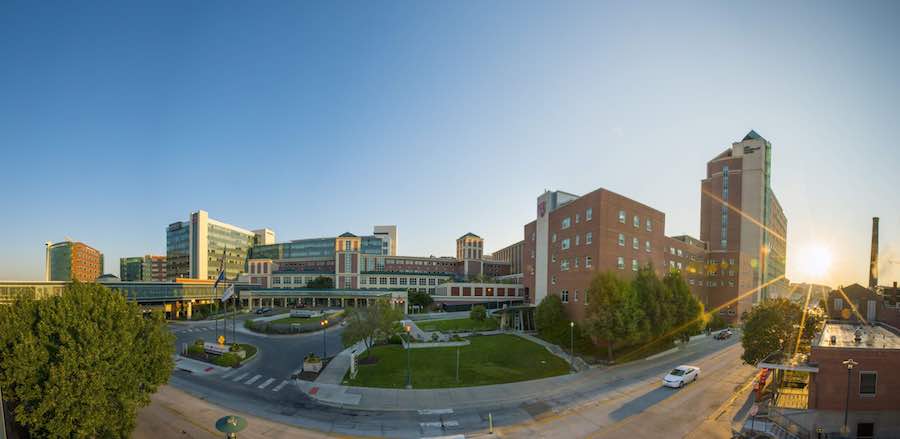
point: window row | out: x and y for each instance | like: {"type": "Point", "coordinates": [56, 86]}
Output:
{"type": "Point", "coordinates": [636, 221]}
{"type": "Point", "coordinates": [564, 263]}
{"type": "Point", "coordinates": [567, 221]}
{"type": "Point", "coordinates": [374, 280]}
{"type": "Point", "coordinates": [566, 244]}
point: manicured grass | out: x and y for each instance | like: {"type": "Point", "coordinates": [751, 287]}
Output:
{"type": "Point", "coordinates": [301, 320]}
{"type": "Point", "coordinates": [458, 325]}
{"type": "Point", "coordinates": [491, 359]}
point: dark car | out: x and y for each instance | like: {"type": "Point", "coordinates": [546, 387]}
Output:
{"type": "Point", "coordinates": [263, 310]}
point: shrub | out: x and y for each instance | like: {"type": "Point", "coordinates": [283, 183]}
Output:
{"type": "Point", "coordinates": [395, 339]}
{"type": "Point", "coordinates": [549, 315]}
{"type": "Point", "coordinates": [235, 347]}
{"type": "Point", "coordinates": [227, 360]}
{"type": "Point", "coordinates": [198, 342]}
{"type": "Point", "coordinates": [716, 323]}
{"type": "Point", "coordinates": [195, 350]}
{"type": "Point", "coordinates": [478, 313]}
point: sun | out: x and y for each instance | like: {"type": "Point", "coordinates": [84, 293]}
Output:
{"type": "Point", "coordinates": [815, 260]}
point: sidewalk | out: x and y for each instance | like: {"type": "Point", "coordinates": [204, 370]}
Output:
{"type": "Point", "coordinates": [173, 413]}
{"type": "Point", "coordinates": [579, 364]}
{"type": "Point", "coordinates": [339, 365]}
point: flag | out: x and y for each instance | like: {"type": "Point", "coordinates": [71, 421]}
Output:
{"type": "Point", "coordinates": [221, 276]}
{"type": "Point", "coordinates": [228, 292]}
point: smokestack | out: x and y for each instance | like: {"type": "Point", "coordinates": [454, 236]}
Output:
{"type": "Point", "coordinates": [873, 262]}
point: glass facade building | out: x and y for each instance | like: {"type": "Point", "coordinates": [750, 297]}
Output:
{"type": "Point", "coordinates": [69, 261]}
{"type": "Point", "coordinates": [195, 248]}
{"type": "Point", "coordinates": [178, 250]}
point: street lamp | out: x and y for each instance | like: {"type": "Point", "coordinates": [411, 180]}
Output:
{"type": "Point", "coordinates": [231, 425]}
{"type": "Point", "coordinates": [572, 344]}
{"type": "Point", "coordinates": [849, 363]}
{"type": "Point", "coordinates": [324, 324]}
{"type": "Point", "coordinates": [408, 328]}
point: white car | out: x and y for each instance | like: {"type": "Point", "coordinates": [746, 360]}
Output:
{"type": "Point", "coordinates": [681, 375]}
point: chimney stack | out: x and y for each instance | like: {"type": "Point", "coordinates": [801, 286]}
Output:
{"type": "Point", "coordinates": [873, 262]}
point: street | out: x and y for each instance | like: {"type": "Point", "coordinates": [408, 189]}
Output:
{"type": "Point", "coordinates": [621, 401]}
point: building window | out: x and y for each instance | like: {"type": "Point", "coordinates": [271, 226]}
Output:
{"type": "Point", "coordinates": [622, 239]}
{"type": "Point", "coordinates": [373, 280]}
{"type": "Point", "coordinates": [553, 258]}
{"type": "Point", "coordinates": [620, 263]}
{"type": "Point", "coordinates": [552, 280]}
{"type": "Point", "coordinates": [564, 265]}
{"type": "Point", "coordinates": [532, 236]}
{"type": "Point", "coordinates": [838, 303]}
{"type": "Point", "coordinates": [647, 246]}
{"type": "Point", "coordinates": [565, 296]}
{"type": "Point", "coordinates": [565, 244]}
{"type": "Point", "coordinates": [577, 239]}
{"type": "Point", "coordinates": [691, 281]}
{"type": "Point", "coordinates": [731, 283]}
{"type": "Point", "coordinates": [867, 382]}
{"type": "Point", "coordinates": [412, 281]}
{"type": "Point", "coordinates": [553, 238]}
{"type": "Point", "coordinates": [588, 214]}
{"type": "Point", "coordinates": [432, 282]}
{"type": "Point", "coordinates": [637, 222]}
{"type": "Point", "coordinates": [577, 218]}
{"type": "Point", "coordinates": [393, 281]}
{"type": "Point", "coordinates": [588, 238]}
{"type": "Point", "coordinates": [680, 253]}
{"type": "Point", "coordinates": [649, 225]}
{"type": "Point", "coordinates": [622, 216]}
{"type": "Point", "coordinates": [382, 281]}
{"type": "Point", "coordinates": [566, 223]}
{"type": "Point", "coordinates": [403, 281]}
{"type": "Point", "coordinates": [634, 265]}
{"type": "Point", "coordinates": [576, 259]}
{"type": "Point", "coordinates": [587, 262]}
{"type": "Point", "coordinates": [680, 266]}
{"type": "Point", "coordinates": [635, 243]}
{"type": "Point", "coordinates": [575, 296]}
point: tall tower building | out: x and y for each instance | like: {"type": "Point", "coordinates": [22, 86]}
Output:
{"type": "Point", "coordinates": [389, 233]}
{"type": "Point", "coordinates": [194, 248]}
{"type": "Point", "coordinates": [68, 261]}
{"type": "Point", "coordinates": [744, 226]}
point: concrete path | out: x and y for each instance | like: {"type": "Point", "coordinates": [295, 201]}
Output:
{"type": "Point", "coordinates": [579, 364]}
{"type": "Point", "coordinates": [197, 367]}
{"type": "Point", "coordinates": [337, 368]}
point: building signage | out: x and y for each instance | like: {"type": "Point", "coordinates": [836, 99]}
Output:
{"type": "Point", "coordinates": [541, 208]}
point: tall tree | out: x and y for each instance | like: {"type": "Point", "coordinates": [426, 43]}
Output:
{"type": "Point", "coordinates": [419, 298]}
{"type": "Point", "coordinates": [81, 364]}
{"type": "Point", "coordinates": [775, 325]}
{"type": "Point", "coordinates": [655, 301]}
{"type": "Point", "coordinates": [613, 313]}
{"type": "Point", "coordinates": [373, 323]}
{"type": "Point", "coordinates": [687, 309]}
{"type": "Point", "coordinates": [549, 314]}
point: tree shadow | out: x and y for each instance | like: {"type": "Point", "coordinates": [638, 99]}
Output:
{"type": "Point", "coordinates": [641, 403]}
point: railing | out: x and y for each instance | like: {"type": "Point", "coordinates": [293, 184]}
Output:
{"type": "Point", "coordinates": [788, 426]}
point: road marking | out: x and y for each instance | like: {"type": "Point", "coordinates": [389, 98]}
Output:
{"type": "Point", "coordinates": [266, 384]}
{"type": "Point", "coordinates": [252, 380]}
{"type": "Point", "coordinates": [278, 387]}
{"type": "Point", "coordinates": [436, 411]}
{"type": "Point", "coordinates": [229, 373]}
{"type": "Point", "coordinates": [240, 377]}
{"type": "Point", "coordinates": [438, 424]}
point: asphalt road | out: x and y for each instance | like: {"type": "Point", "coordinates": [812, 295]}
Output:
{"type": "Point", "coordinates": [629, 401]}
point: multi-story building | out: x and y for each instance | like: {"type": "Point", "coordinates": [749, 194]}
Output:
{"type": "Point", "coordinates": [389, 235]}
{"type": "Point", "coordinates": [575, 237]}
{"type": "Point", "coordinates": [195, 248]}
{"type": "Point", "coordinates": [744, 227]}
{"type": "Point", "coordinates": [511, 254]}
{"type": "Point", "coordinates": [145, 268]}
{"type": "Point", "coordinates": [68, 260]}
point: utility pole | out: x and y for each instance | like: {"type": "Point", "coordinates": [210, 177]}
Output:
{"type": "Point", "coordinates": [849, 363]}
{"type": "Point", "coordinates": [572, 344]}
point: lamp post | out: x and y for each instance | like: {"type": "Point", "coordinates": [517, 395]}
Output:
{"type": "Point", "coordinates": [408, 328]}
{"type": "Point", "coordinates": [324, 324]}
{"type": "Point", "coordinates": [231, 425]}
{"type": "Point", "coordinates": [849, 363]}
{"type": "Point", "coordinates": [572, 344]}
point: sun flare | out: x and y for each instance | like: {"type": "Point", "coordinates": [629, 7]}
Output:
{"type": "Point", "coordinates": [815, 260]}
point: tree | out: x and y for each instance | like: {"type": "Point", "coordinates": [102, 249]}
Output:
{"type": "Point", "coordinates": [81, 364]}
{"type": "Point", "coordinates": [773, 326]}
{"type": "Point", "coordinates": [655, 301]}
{"type": "Point", "coordinates": [549, 314]}
{"type": "Point", "coordinates": [613, 313]}
{"type": "Point", "coordinates": [478, 313]}
{"type": "Point", "coordinates": [687, 310]}
{"type": "Point", "coordinates": [370, 324]}
{"type": "Point", "coordinates": [321, 282]}
{"type": "Point", "coordinates": [419, 298]}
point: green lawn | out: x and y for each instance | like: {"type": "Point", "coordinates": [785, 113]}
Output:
{"type": "Point", "coordinates": [491, 359]}
{"type": "Point", "coordinates": [298, 320]}
{"type": "Point", "coordinates": [458, 325]}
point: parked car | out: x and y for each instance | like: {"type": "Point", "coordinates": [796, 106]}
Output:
{"type": "Point", "coordinates": [263, 310]}
{"type": "Point", "coordinates": [724, 334]}
{"type": "Point", "coordinates": [681, 375]}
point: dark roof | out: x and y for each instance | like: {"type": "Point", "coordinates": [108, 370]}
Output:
{"type": "Point", "coordinates": [753, 135]}
{"type": "Point", "coordinates": [347, 235]}
{"type": "Point", "coordinates": [469, 234]}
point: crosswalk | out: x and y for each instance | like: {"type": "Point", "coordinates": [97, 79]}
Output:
{"type": "Point", "coordinates": [259, 381]}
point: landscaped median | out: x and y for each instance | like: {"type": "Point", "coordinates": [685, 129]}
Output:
{"type": "Point", "coordinates": [458, 325]}
{"type": "Point", "coordinates": [294, 324]}
{"type": "Point", "coordinates": [493, 359]}
{"type": "Point", "coordinates": [224, 355]}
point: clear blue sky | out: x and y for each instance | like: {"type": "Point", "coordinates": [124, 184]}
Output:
{"type": "Point", "coordinates": [119, 118]}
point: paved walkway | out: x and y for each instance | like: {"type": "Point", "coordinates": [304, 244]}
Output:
{"type": "Point", "coordinates": [337, 368]}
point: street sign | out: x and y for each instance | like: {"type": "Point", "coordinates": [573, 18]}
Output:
{"type": "Point", "coordinates": [221, 339]}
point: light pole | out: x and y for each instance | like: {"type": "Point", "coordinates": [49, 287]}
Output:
{"type": "Point", "coordinates": [572, 344]}
{"type": "Point", "coordinates": [408, 328]}
{"type": "Point", "coordinates": [849, 363]}
{"type": "Point", "coordinates": [324, 324]}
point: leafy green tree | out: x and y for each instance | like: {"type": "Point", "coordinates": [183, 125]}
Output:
{"type": "Point", "coordinates": [775, 325]}
{"type": "Point", "coordinates": [613, 312]}
{"type": "Point", "coordinates": [421, 299]}
{"type": "Point", "coordinates": [687, 310]}
{"type": "Point", "coordinates": [377, 322]}
{"type": "Point", "coordinates": [655, 301]}
{"type": "Point", "coordinates": [80, 364]}
{"type": "Point", "coordinates": [478, 313]}
{"type": "Point", "coordinates": [549, 314]}
{"type": "Point", "coordinates": [321, 282]}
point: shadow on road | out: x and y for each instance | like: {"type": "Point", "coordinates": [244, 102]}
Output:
{"type": "Point", "coordinates": [642, 403]}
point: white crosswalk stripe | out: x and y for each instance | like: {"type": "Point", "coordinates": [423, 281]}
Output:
{"type": "Point", "coordinates": [240, 377]}
{"type": "Point", "coordinates": [229, 373]}
{"type": "Point", "coordinates": [278, 387]}
{"type": "Point", "coordinates": [252, 380]}
{"type": "Point", "coordinates": [266, 383]}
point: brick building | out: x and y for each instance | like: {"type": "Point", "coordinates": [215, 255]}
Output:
{"type": "Point", "coordinates": [68, 261]}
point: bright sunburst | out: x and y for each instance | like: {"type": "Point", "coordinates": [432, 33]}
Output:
{"type": "Point", "coordinates": [815, 260]}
